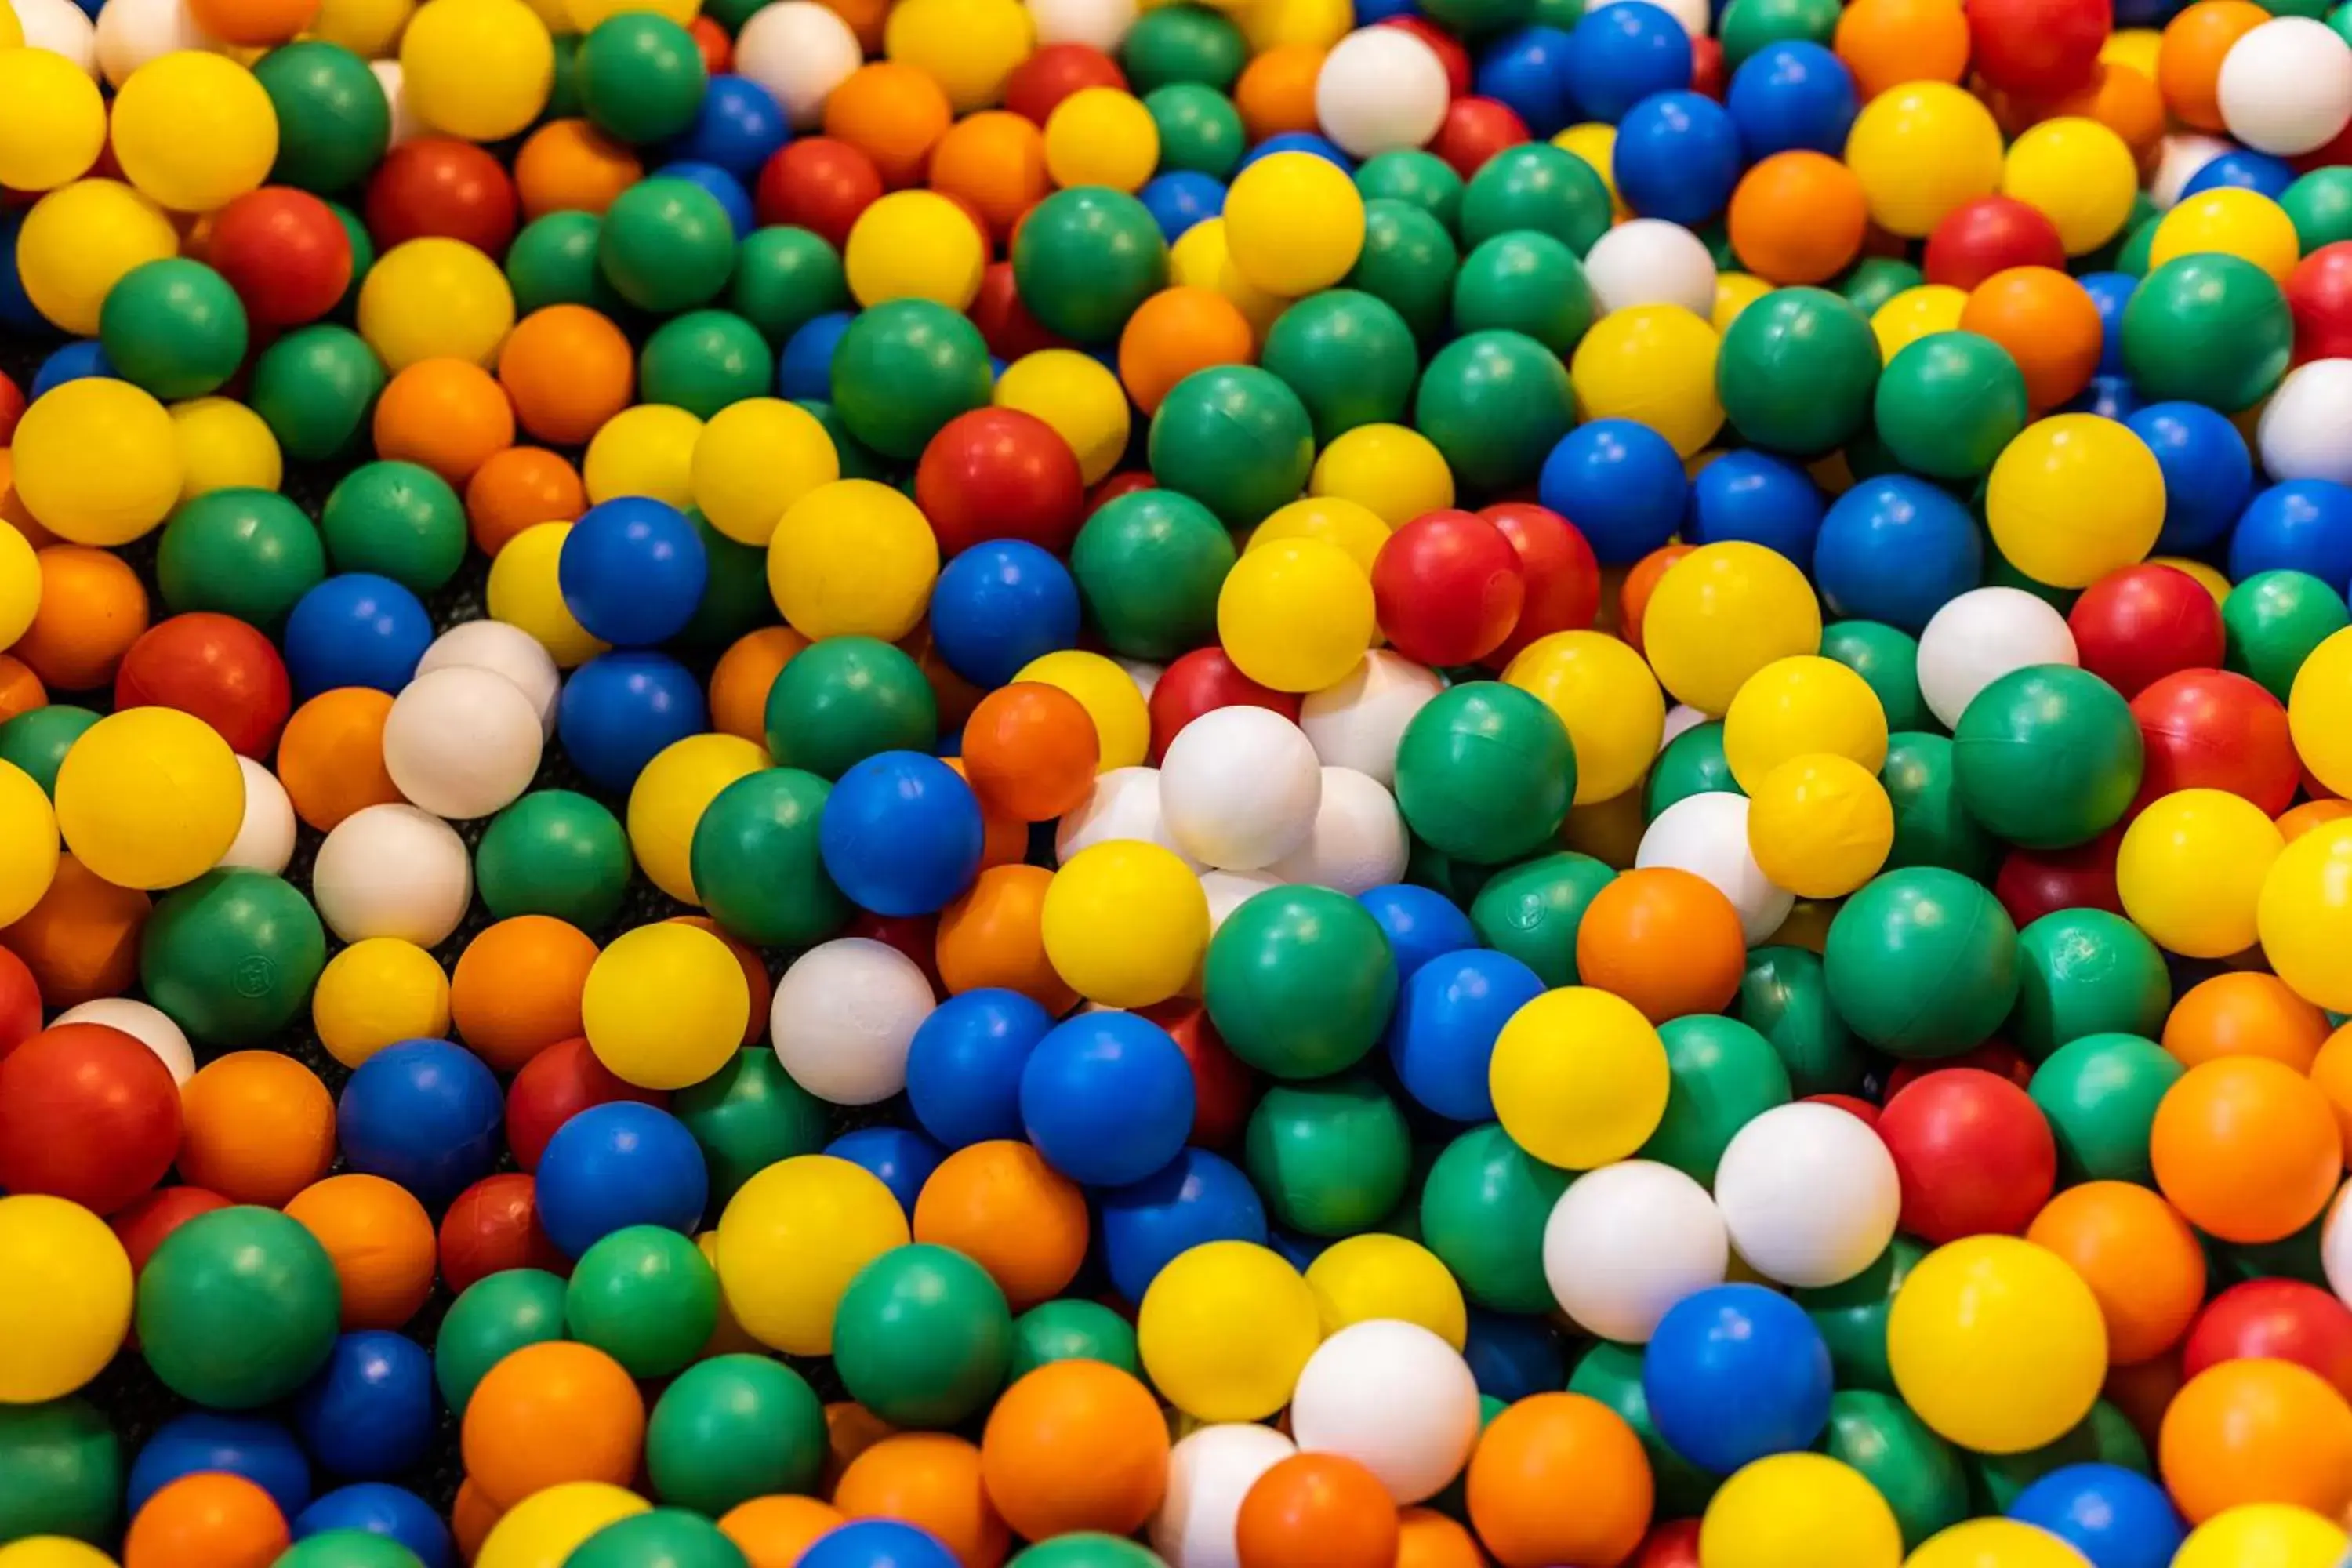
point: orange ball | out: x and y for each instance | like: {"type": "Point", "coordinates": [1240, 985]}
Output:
{"type": "Point", "coordinates": [1640, 582]}
{"type": "Point", "coordinates": [2189, 58]}
{"type": "Point", "coordinates": [772, 1531]}
{"type": "Point", "coordinates": [994, 935]}
{"type": "Point", "coordinates": [1004, 837]}
{"type": "Point", "coordinates": [1076, 1444]}
{"type": "Point", "coordinates": [1175, 332]}
{"type": "Point", "coordinates": [1427, 1539]}
{"type": "Point", "coordinates": [2245, 1014]}
{"type": "Point", "coordinates": [81, 940]}
{"type": "Point", "coordinates": [2299, 820]}
{"type": "Point", "coordinates": [471, 1515]}
{"type": "Point", "coordinates": [1000, 1205]}
{"type": "Point", "coordinates": [849, 1430]}
{"type": "Point", "coordinates": [1559, 1478]}
{"type": "Point", "coordinates": [568, 165]}
{"type": "Point", "coordinates": [893, 114]}
{"type": "Point", "coordinates": [253, 24]}
{"type": "Point", "coordinates": [568, 369]}
{"type": "Point", "coordinates": [2331, 1072]}
{"type": "Point", "coordinates": [740, 682]}
{"type": "Point", "coordinates": [1886, 43]}
{"type": "Point", "coordinates": [1316, 1511]}
{"type": "Point", "coordinates": [330, 755]}
{"type": "Point", "coordinates": [516, 989]}
{"type": "Point", "coordinates": [2139, 1257]}
{"type": "Point", "coordinates": [256, 1127]}
{"type": "Point", "coordinates": [447, 414]}
{"type": "Point", "coordinates": [380, 1240]}
{"type": "Point", "coordinates": [1275, 92]}
{"type": "Point", "coordinates": [21, 690]}
{"type": "Point", "coordinates": [92, 610]}
{"type": "Point", "coordinates": [208, 1520]}
{"type": "Point", "coordinates": [996, 162]}
{"type": "Point", "coordinates": [931, 1480]}
{"type": "Point", "coordinates": [2047, 322]}
{"type": "Point", "coordinates": [2123, 101]}
{"type": "Point", "coordinates": [551, 1413]}
{"type": "Point", "coordinates": [1665, 940]}
{"type": "Point", "coordinates": [1798, 217]}
{"type": "Point", "coordinates": [2246, 1149]}
{"type": "Point", "coordinates": [1031, 751]}
{"type": "Point", "coordinates": [518, 488]}
{"type": "Point", "coordinates": [2257, 1431]}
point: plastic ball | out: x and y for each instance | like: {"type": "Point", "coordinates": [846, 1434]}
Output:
{"type": "Point", "coordinates": [845, 1018]}
{"type": "Point", "coordinates": [1914, 933]}
{"type": "Point", "coordinates": [1567, 1447]}
{"type": "Point", "coordinates": [1183, 1333]}
{"type": "Point", "coordinates": [2209, 328]}
{"type": "Point", "coordinates": [1295, 224]}
{"type": "Point", "coordinates": [2286, 89]}
{"type": "Point", "coordinates": [1620, 1255]}
{"type": "Point", "coordinates": [1996, 1343]}
{"type": "Point", "coordinates": [1380, 90]}
{"type": "Point", "coordinates": [1920, 151]}
{"type": "Point", "coordinates": [1405, 1370]}
{"type": "Point", "coordinates": [901, 834]}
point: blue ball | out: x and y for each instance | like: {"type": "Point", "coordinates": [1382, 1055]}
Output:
{"type": "Point", "coordinates": [257, 1448]}
{"type": "Point", "coordinates": [1735, 1373]}
{"type": "Point", "coordinates": [1299, 1251]}
{"type": "Point", "coordinates": [1512, 1357]}
{"type": "Point", "coordinates": [2108, 397]}
{"type": "Point", "coordinates": [1620, 482]}
{"type": "Point", "coordinates": [2303, 525]}
{"type": "Point", "coordinates": [1895, 549]}
{"type": "Point", "coordinates": [424, 1113]}
{"type": "Point", "coordinates": [738, 128]}
{"type": "Point", "coordinates": [1368, 12]}
{"type": "Point", "coordinates": [2110, 291]}
{"type": "Point", "coordinates": [2242, 169]}
{"type": "Point", "coordinates": [876, 1543]}
{"type": "Point", "coordinates": [963, 1066]}
{"type": "Point", "coordinates": [1419, 923]}
{"type": "Point", "coordinates": [1621, 54]}
{"type": "Point", "coordinates": [1677, 157]}
{"type": "Point", "coordinates": [1197, 1196]}
{"type": "Point", "coordinates": [633, 570]}
{"type": "Point", "coordinates": [618, 711]}
{"type": "Point", "coordinates": [382, 1510]}
{"type": "Point", "coordinates": [1299, 141]}
{"type": "Point", "coordinates": [2208, 475]}
{"type": "Point", "coordinates": [355, 629]}
{"type": "Point", "coordinates": [901, 834]}
{"type": "Point", "coordinates": [723, 186]}
{"type": "Point", "coordinates": [999, 604]}
{"type": "Point", "coordinates": [1107, 1098]}
{"type": "Point", "coordinates": [615, 1165]}
{"type": "Point", "coordinates": [369, 1413]}
{"type": "Point", "coordinates": [900, 1157]}
{"type": "Point", "coordinates": [804, 370]}
{"type": "Point", "coordinates": [1526, 70]}
{"type": "Point", "coordinates": [1757, 497]}
{"type": "Point", "coordinates": [77, 361]}
{"type": "Point", "coordinates": [16, 311]}
{"type": "Point", "coordinates": [1791, 97]}
{"type": "Point", "coordinates": [1180, 199]}
{"type": "Point", "coordinates": [1442, 1032]}
{"type": "Point", "coordinates": [2115, 1516]}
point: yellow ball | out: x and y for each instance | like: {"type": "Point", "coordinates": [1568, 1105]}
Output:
{"type": "Point", "coordinates": [2210, 578]}
{"type": "Point", "coordinates": [439, 299]}
{"type": "Point", "coordinates": [2073, 498]}
{"type": "Point", "coordinates": [68, 1304]}
{"type": "Point", "coordinates": [2190, 869]}
{"type": "Point", "coordinates": [1203, 259]}
{"type": "Point", "coordinates": [914, 245]}
{"type": "Point", "coordinates": [1594, 141]}
{"type": "Point", "coordinates": [666, 1005]}
{"type": "Point", "coordinates": [2319, 712]}
{"type": "Point", "coordinates": [2304, 916]}
{"type": "Point", "coordinates": [1110, 695]}
{"type": "Point", "coordinates": [1604, 693]}
{"type": "Point", "coordinates": [2076, 172]}
{"type": "Point", "coordinates": [1794, 707]}
{"type": "Point", "coordinates": [669, 797]}
{"type": "Point", "coordinates": [224, 446]}
{"type": "Point", "coordinates": [1916, 314]}
{"type": "Point", "coordinates": [20, 585]}
{"type": "Point", "coordinates": [1296, 616]}
{"type": "Point", "coordinates": [1820, 825]}
{"type": "Point", "coordinates": [542, 1530]}
{"type": "Point", "coordinates": [968, 47]}
{"type": "Point", "coordinates": [478, 68]}
{"type": "Point", "coordinates": [1380, 1276]}
{"type": "Point", "coordinates": [194, 130]}
{"type": "Point", "coordinates": [1654, 365]}
{"type": "Point", "coordinates": [1579, 1077]}
{"type": "Point", "coordinates": [1270, 24]}
{"type": "Point", "coordinates": [1079, 397]}
{"type": "Point", "coordinates": [1994, 1544]}
{"type": "Point", "coordinates": [647, 450]}
{"type": "Point", "coordinates": [1125, 924]}
{"type": "Point", "coordinates": [853, 558]}
{"type": "Point", "coordinates": [523, 591]}
{"type": "Point", "coordinates": [1396, 473]}
{"type": "Point", "coordinates": [753, 460]}
{"type": "Point", "coordinates": [2233, 221]}
{"type": "Point", "coordinates": [376, 993]}
{"type": "Point", "coordinates": [1722, 613]}
{"type": "Point", "coordinates": [581, 15]}
{"type": "Point", "coordinates": [1224, 1330]}
{"type": "Point", "coordinates": [56, 126]}
{"type": "Point", "coordinates": [792, 1239]}
{"type": "Point", "coordinates": [1294, 223]}
{"type": "Point", "coordinates": [12, 31]}
{"type": "Point", "coordinates": [79, 241]}
{"type": "Point", "coordinates": [1734, 292]}
{"type": "Point", "coordinates": [150, 797]}
{"type": "Point", "coordinates": [1997, 1345]}
{"type": "Point", "coordinates": [2263, 1535]}
{"type": "Point", "coordinates": [2135, 48]}
{"type": "Point", "coordinates": [97, 462]}
{"type": "Point", "coordinates": [1921, 150]}
{"type": "Point", "coordinates": [1793, 1509]}
{"type": "Point", "coordinates": [1101, 136]}
{"type": "Point", "coordinates": [52, 1551]}
{"type": "Point", "coordinates": [1335, 520]}
{"type": "Point", "coordinates": [368, 29]}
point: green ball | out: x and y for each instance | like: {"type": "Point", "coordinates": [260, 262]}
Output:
{"type": "Point", "coordinates": [640, 77]}
{"type": "Point", "coordinates": [1526, 282]}
{"type": "Point", "coordinates": [1887, 659]}
{"type": "Point", "coordinates": [2047, 757]}
{"type": "Point", "coordinates": [732, 1429]}
{"type": "Point", "coordinates": [1851, 1316]}
{"type": "Point", "coordinates": [334, 119]}
{"type": "Point", "coordinates": [2295, 1256]}
{"type": "Point", "coordinates": [2129, 251]}
{"type": "Point", "coordinates": [1725, 1074]}
{"type": "Point", "coordinates": [842, 699]}
{"type": "Point", "coordinates": [237, 1308]}
{"type": "Point", "coordinates": [1693, 762]}
{"type": "Point", "coordinates": [1408, 259]}
{"type": "Point", "coordinates": [665, 245]}
{"type": "Point", "coordinates": [232, 956]}
{"type": "Point", "coordinates": [554, 852]}
{"type": "Point", "coordinates": [2100, 1093]}
{"type": "Point", "coordinates": [735, 597]}
{"type": "Point", "coordinates": [1922, 963]}
{"type": "Point", "coordinates": [2320, 204]}
{"type": "Point", "coordinates": [646, 1296]}
{"type": "Point", "coordinates": [398, 520]}
{"type": "Point", "coordinates": [1784, 996]}
{"type": "Point", "coordinates": [1479, 19]}
{"type": "Point", "coordinates": [1084, 259]}
{"type": "Point", "coordinates": [316, 389]}
{"type": "Point", "coordinates": [2209, 328]}
{"type": "Point", "coordinates": [2274, 620]}
{"type": "Point", "coordinates": [1611, 1374]}
{"type": "Point", "coordinates": [1875, 280]}
{"type": "Point", "coordinates": [704, 361]}
{"type": "Point", "coordinates": [748, 1115]}
{"type": "Point", "coordinates": [563, 86]}
{"type": "Point", "coordinates": [554, 262]}
{"type": "Point", "coordinates": [922, 1337]}
{"type": "Point", "coordinates": [1182, 43]}
{"type": "Point", "coordinates": [1483, 1210]}
{"type": "Point", "coordinates": [1349, 357]}
{"type": "Point", "coordinates": [1999, 1477]}
{"type": "Point", "coordinates": [1330, 1158]}
{"type": "Point", "coordinates": [60, 1471]}
{"type": "Point", "coordinates": [490, 1321]}
{"type": "Point", "coordinates": [1199, 129]}
{"type": "Point", "coordinates": [756, 863]}
{"type": "Point", "coordinates": [1070, 1329]}
{"type": "Point", "coordinates": [1415, 177]}
{"type": "Point", "coordinates": [1149, 564]}
{"type": "Point", "coordinates": [1919, 1475]}
{"type": "Point", "coordinates": [1087, 1549]}
{"type": "Point", "coordinates": [362, 246]}
{"type": "Point", "coordinates": [2085, 972]}
{"type": "Point", "coordinates": [1530, 911]}
{"type": "Point", "coordinates": [785, 279]}
{"type": "Point", "coordinates": [1747, 26]}
{"type": "Point", "coordinates": [1797, 371]}
{"type": "Point", "coordinates": [658, 1538]}
{"type": "Point", "coordinates": [1495, 403]}
{"type": "Point", "coordinates": [905, 368]}
{"type": "Point", "coordinates": [1538, 186]}
{"type": "Point", "coordinates": [1948, 403]}
{"type": "Point", "coordinates": [1485, 773]}
{"type": "Point", "coordinates": [174, 327]}
{"type": "Point", "coordinates": [250, 554]}
{"type": "Point", "coordinates": [858, 461]}
{"type": "Point", "coordinates": [1930, 828]}
{"type": "Point", "coordinates": [1234, 438]}
{"type": "Point", "coordinates": [1300, 981]}
{"type": "Point", "coordinates": [36, 740]}
{"type": "Point", "coordinates": [347, 1548]}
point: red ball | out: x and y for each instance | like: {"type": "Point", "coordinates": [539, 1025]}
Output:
{"type": "Point", "coordinates": [1200, 681]}
{"type": "Point", "coordinates": [87, 1113]}
{"type": "Point", "coordinates": [557, 1085]}
{"type": "Point", "coordinates": [1996, 1057]}
{"type": "Point", "coordinates": [493, 1225]}
{"type": "Point", "coordinates": [1986, 236]}
{"type": "Point", "coordinates": [1053, 73]}
{"type": "Point", "coordinates": [1974, 1153]}
{"type": "Point", "coordinates": [1707, 74]}
{"type": "Point", "coordinates": [1474, 129]}
{"type": "Point", "coordinates": [12, 406]}
{"type": "Point", "coordinates": [285, 253]}
{"type": "Point", "coordinates": [917, 936]}
{"type": "Point", "coordinates": [214, 667]}
{"type": "Point", "coordinates": [2135, 626]}
{"type": "Point", "coordinates": [717, 49]}
{"type": "Point", "coordinates": [2040, 48]}
{"type": "Point", "coordinates": [1118, 485]}
{"type": "Point", "coordinates": [142, 1226]}
{"type": "Point", "coordinates": [1448, 587]}
{"type": "Point", "coordinates": [1448, 49]}
{"type": "Point", "coordinates": [2214, 729]}
{"type": "Point", "coordinates": [1674, 1544]}
{"type": "Point", "coordinates": [819, 185]}
{"type": "Point", "coordinates": [2319, 293]}
{"type": "Point", "coordinates": [437, 186]}
{"type": "Point", "coordinates": [2273, 1320]}
{"type": "Point", "coordinates": [1003, 321]}
{"type": "Point", "coordinates": [1561, 575]}
{"type": "Point", "coordinates": [999, 473]}
{"type": "Point", "coordinates": [1853, 1105]}
{"type": "Point", "coordinates": [2037, 883]}
{"type": "Point", "coordinates": [20, 1003]}
{"type": "Point", "coordinates": [1224, 1089]}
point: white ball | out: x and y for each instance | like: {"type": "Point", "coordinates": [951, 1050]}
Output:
{"type": "Point", "coordinates": [264, 839]}
{"type": "Point", "coordinates": [1393, 1397]}
{"type": "Point", "coordinates": [2179, 157]}
{"type": "Point", "coordinates": [843, 1018]}
{"type": "Point", "coordinates": [61, 28]}
{"type": "Point", "coordinates": [1144, 673]}
{"type": "Point", "coordinates": [508, 649]}
{"type": "Point", "coordinates": [1358, 722]}
{"type": "Point", "coordinates": [1649, 261]}
{"type": "Point", "coordinates": [1681, 719]}
{"type": "Point", "coordinates": [1694, 14]}
{"type": "Point", "coordinates": [1098, 24]}
{"type": "Point", "coordinates": [1209, 1473]}
{"type": "Point", "coordinates": [393, 870]}
{"type": "Point", "coordinates": [2305, 430]}
{"type": "Point", "coordinates": [2335, 1248]}
{"type": "Point", "coordinates": [800, 51]}
{"type": "Point", "coordinates": [1239, 787]}
{"type": "Point", "coordinates": [2286, 86]}
{"type": "Point", "coordinates": [1707, 835]}
{"type": "Point", "coordinates": [1125, 805]}
{"type": "Point", "coordinates": [1358, 841]}
{"type": "Point", "coordinates": [1229, 891]}
{"type": "Point", "coordinates": [129, 33]}
{"type": "Point", "coordinates": [1626, 1242]}
{"type": "Point", "coordinates": [147, 1025]}
{"type": "Point", "coordinates": [1380, 89]}
{"type": "Point", "coordinates": [1982, 636]}
{"type": "Point", "coordinates": [406, 125]}
{"type": "Point", "coordinates": [1809, 1195]}
{"type": "Point", "coordinates": [462, 742]}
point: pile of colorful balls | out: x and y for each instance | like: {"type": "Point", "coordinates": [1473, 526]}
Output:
{"type": "Point", "coordinates": [1439, 782]}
